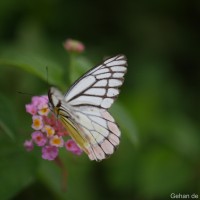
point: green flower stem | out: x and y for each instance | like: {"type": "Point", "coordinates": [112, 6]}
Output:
{"type": "Point", "coordinates": [61, 165]}
{"type": "Point", "coordinates": [72, 67]}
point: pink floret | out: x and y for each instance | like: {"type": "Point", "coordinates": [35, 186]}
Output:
{"type": "Point", "coordinates": [30, 108]}
{"type": "Point", "coordinates": [49, 152]}
{"type": "Point", "coordinates": [28, 144]}
{"type": "Point", "coordinates": [39, 138]}
{"type": "Point", "coordinates": [73, 147]}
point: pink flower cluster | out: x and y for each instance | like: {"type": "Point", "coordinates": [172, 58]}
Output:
{"type": "Point", "coordinates": [48, 130]}
{"type": "Point", "coordinates": [74, 46]}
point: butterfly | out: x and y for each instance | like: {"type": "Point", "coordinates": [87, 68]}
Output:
{"type": "Point", "coordinates": [83, 109]}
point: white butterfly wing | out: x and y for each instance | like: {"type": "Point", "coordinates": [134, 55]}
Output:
{"type": "Point", "coordinates": [100, 86]}
{"type": "Point", "coordinates": [84, 108]}
{"type": "Point", "coordinates": [99, 130]}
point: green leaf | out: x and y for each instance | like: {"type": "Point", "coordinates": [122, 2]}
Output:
{"type": "Point", "coordinates": [125, 121]}
{"type": "Point", "coordinates": [6, 129]}
{"type": "Point", "coordinates": [7, 117]}
{"type": "Point", "coordinates": [34, 64]}
{"type": "Point", "coordinates": [17, 168]}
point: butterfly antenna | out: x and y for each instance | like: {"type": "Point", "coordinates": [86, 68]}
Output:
{"type": "Point", "coordinates": [30, 94]}
{"type": "Point", "coordinates": [25, 93]}
{"type": "Point", "coordinates": [47, 71]}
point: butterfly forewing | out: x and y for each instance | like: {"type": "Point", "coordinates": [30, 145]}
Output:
{"type": "Point", "coordinates": [83, 109]}
{"type": "Point", "coordinates": [100, 86]}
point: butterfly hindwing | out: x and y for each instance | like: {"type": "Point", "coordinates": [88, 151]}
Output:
{"type": "Point", "coordinates": [93, 129]}
{"type": "Point", "coordinates": [99, 129]}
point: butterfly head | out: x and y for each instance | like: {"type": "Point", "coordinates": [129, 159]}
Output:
{"type": "Point", "coordinates": [54, 100]}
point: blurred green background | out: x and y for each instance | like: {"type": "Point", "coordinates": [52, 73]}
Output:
{"type": "Point", "coordinates": [157, 110]}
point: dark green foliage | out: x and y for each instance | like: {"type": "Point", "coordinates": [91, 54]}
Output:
{"type": "Point", "coordinates": [157, 110]}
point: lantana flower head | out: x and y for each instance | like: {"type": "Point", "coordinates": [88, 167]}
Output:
{"type": "Point", "coordinates": [72, 45]}
{"type": "Point", "coordinates": [48, 132]}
